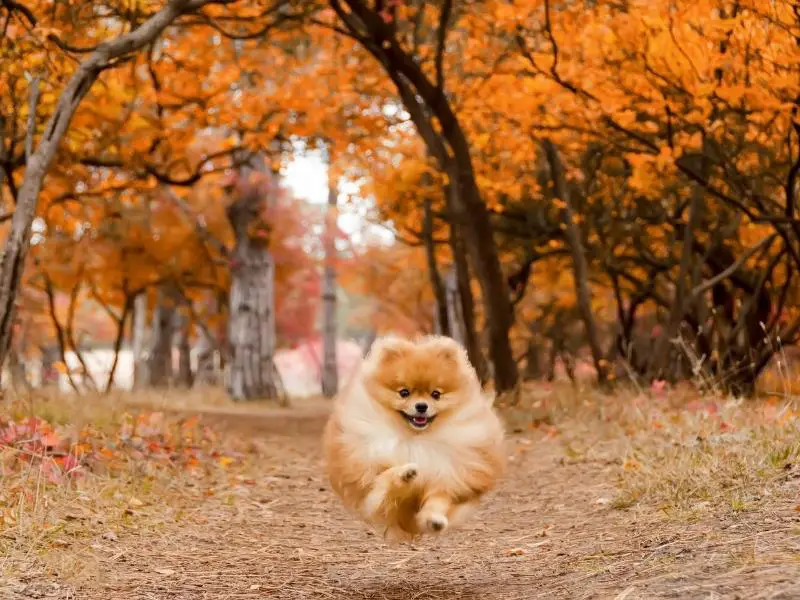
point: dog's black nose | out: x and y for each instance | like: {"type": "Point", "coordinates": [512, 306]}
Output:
{"type": "Point", "coordinates": [421, 407]}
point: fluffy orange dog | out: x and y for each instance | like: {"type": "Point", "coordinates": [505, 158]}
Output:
{"type": "Point", "coordinates": [413, 443]}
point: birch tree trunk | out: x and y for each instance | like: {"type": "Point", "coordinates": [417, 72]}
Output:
{"type": "Point", "coordinates": [251, 326]}
{"type": "Point", "coordinates": [461, 303]}
{"type": "Point", "coordinates": [453, 307]}
{"type": "Point", "coordinates": [141, 377]}
{"type": "Point", "coordinates": [206, 348]}
{"type": "Point", "coordinates": [330, 374]}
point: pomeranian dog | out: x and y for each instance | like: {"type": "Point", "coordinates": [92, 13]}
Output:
{"type": "Point", "coordinates": [413, 443]}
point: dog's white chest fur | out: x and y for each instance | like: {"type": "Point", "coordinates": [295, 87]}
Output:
{"type": "Point", "coordinates": [441, 453]}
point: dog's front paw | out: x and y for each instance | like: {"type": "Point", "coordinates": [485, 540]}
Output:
{"type": "Point", "coordinates": [408, 473]}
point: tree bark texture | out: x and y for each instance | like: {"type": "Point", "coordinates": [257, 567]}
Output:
{"type": "Point", "coordinates": [330, 373]}
{"type": "Point", "coordinates": [159, 361]}
{"type": "Point", "coordinates": [251, 326]}
{"type": "Point", "coordinates": [206, 348]}
{"type": "Point", "coordinates": [139, 341]}
{"type": "Point", "coordinates": [437, 284]}
{"type": "Point", "coordinates": [182, 326]}
{"type": "Point", "coordinates": [461, 304]}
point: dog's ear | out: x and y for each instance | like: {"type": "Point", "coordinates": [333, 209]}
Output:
{"type": "Point", "coordinates": [446, 349]}
{"type": "Point", "coordinates": [389, 349]}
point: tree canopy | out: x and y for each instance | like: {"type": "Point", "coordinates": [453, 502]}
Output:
{"type": "Point", "coordinates": [615, 181]}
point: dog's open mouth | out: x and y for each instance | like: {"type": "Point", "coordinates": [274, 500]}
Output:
{"type": "Point", "coordinates": [418, 421]}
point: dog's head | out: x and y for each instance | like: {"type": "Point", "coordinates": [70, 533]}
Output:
{"type": "Point", "coordinates": [422, 381]}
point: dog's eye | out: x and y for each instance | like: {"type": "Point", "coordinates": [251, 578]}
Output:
{"type": "Point", "coordinates": [436, 394]}
{"type": "Point", "coordinates": [404, 393]}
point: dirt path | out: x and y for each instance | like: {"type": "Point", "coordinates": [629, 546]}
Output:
{"type": "Point", "coordinates": [548, 532]}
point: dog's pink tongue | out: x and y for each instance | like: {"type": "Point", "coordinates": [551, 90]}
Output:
{"type": "Point", "coordinates": [420, 420]}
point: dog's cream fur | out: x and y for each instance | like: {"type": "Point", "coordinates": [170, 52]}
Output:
{"type": "Point", "coordinates": [403, 479]}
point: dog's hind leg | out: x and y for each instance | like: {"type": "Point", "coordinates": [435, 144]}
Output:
{"type": "Point", "coordinates": [389, 481]}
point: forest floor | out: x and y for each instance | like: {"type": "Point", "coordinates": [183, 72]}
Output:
{"type": "Point", "coordinates": [631, 497]}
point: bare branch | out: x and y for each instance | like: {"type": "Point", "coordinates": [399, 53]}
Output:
{"type": "Point", "coordinates": [20, 8]}
{"type": "Point", "coordinates": [722, 275]}
{"type": "Point", "coordinates": [199, 227]}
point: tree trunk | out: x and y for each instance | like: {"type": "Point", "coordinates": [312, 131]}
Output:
{"type": "Point", "coordinates": [120, 336]}
{"type": "Point", "coordinates": [579, 264]}
{"type": "Point", "coordinates": [439, 292]}
{"type": "Point", "coordinates": [17, 368]}
{"type": "Point", "coordinates": [251, 325]}
{"type": "Point", "coordinates": [453, 308]}
{"type": "Point", "coordinates": [427, 102]}
{"type": "Point", "coordinates": [17, 372]}
{"type": "Point", "coordinates": [533, 362]}
{"type": "Point", "coordinates": [61, 337]}
{"type": "Point", "coordinates": [206, 348]}
{"type": "Point", "coordinates": [38, 162]}
{"type": "Point", "coordinates": [479, 239]}
{"type": "Point", "coordinates": [159, 363]}
{"type": "Point", "coordinates": [366, 345]}
{"type": "Point", "coordinates": [661, 354]}
{"type": "Point", "coordinates": [461, 304]}
{"type": "Point", "coordinates": [330, 373]}
{"type": "Point", "coordinates": [49, 374]}
{"type": "Point", "coordinates": [184, 375]}
{"type": "Point", "coordinates": [141, 377]}
{"type": "Point", "coordinates": [206, 374]}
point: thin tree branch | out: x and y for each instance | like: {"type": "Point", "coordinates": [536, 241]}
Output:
{"type": "Point", "coordinates": [722, 275]}
{"type": "Point", "coordinates": [444, 21]}
{"type": "Point", "coordinates": [201, 230]}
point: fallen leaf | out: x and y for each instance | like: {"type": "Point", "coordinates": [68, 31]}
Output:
{"type": "Point", "coordinates": [135, 503]}
{"type": "Point", "coordinates": [515, 552]}
{"type": "Point", "coordinates": [631, 464]}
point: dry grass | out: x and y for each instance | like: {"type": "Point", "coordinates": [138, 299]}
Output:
{"type": "Point", "coordinates": [636, 495]}
{"type": "Point", "coordinates": [674, 450]}
{"type": "Point", "coordinates": [128, 479]}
